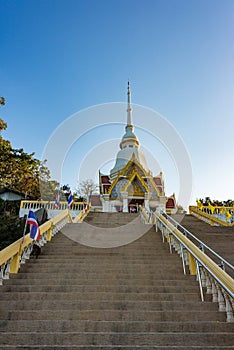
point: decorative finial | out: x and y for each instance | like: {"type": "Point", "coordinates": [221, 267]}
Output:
{"type": "Point", "coordinates": [129, 95]}
{"type": "Point", "coordinates": [129, 110]}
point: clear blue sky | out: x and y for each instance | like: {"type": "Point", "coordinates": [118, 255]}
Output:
{"type": "Point", "coordinates": [58, 57]}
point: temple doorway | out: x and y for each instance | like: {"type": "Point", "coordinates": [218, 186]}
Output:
{"type": "Point", "coordinates": [133, 205]}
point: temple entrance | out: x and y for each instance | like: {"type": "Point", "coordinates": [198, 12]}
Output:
{"type": "Point", "coordinates": [134, 205]}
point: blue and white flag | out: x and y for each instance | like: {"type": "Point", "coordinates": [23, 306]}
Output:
{"type": "Point", "coordinates": [34, 227]}
{"type": "Point", "coordinates": [70, 200]}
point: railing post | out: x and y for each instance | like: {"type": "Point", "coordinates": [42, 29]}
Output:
{"type": "Point", "coordinates": [49, 233]}
{"type": "Point", "coordinates": [199, 280]}
{"type": "Point", "coordinates": [5, 272]}
{"type": "Point", "coordinates": [221, 301]}
{"type": "Point", "coordinates": [214, 292]}
{"type": "Point", "coordinates": [229, 310]}
{"type": "Point", "coordinates": [163, 233]}
{"type": "Point", "coordinates": [15, 262]}
{"type": "Point", "coordinates": [203, 277]}
{"type": "Point", "coordinates": [208, 286]}
{"type": "Point", "coordinates": [212, 222]}
{"type": "Point", "coordinates": [192, 264]}
{"type": "Point", "coordinates": [156, 225]}
{"type": "Point", "coordinates": [183, 260]}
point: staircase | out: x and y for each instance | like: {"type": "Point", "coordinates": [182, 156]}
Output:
{"type": "Point", "coordinates": [125, 298]}
{"type": "Point", "coordinates": [110, 219]}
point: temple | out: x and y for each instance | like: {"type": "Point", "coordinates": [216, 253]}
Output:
{"type": "Point", "coordinates": [130, 182]}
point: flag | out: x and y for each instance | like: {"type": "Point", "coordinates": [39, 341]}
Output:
{"type": "Point", "coordinates": [70, 200]}
{"type": "Point", "coordinates": [57, 201]}
{"type": "Point", "coordinates": [34, 227]}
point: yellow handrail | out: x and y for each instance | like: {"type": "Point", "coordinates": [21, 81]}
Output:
{"type": "Point", "coordinates": [222, 276]}
{"type": "Point", "coordinates": [28, 204]}
{"type": "Point", "coordinates": [13, 252]}
{"type": "Point", "coordinates": [196, 254]}
{"type": "Point", "coordinates": [80, 217]}
{"type": "Point", "coordinates": [201, 214]}
{"type": "Point", "coordinates": [16, 248]}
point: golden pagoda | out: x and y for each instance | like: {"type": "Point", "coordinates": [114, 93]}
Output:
{"type": "Point", "coordinates": [130, 182]}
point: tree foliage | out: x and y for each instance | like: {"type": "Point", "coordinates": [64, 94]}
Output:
{"type": "Point", "coordinates": [11, 229]}
{"type": "Point", "coordinates": [2, 101]}
{"type": "Point", "coordinates": [25, 173]}
{"type": "Point", "coordinates": [22, 171]}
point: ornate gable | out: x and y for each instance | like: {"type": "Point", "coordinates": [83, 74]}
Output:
{"type": "Point", "coordinates": [133, 165]}
{"type": "Point", "coordinates": [137, 183]}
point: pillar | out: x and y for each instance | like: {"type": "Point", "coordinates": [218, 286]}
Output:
{"type": "Point", "coordinates": [124, 196]}
{"type": "Point", "coordinates": [147, 199]}
{"type": "Point", "coordinates": [105, 203]}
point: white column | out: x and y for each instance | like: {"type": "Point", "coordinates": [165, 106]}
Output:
{"type": "Point", "coordinates": [105, 203]}
{"type": "Point", "coordinates": [162, 202]}
{"type": "Point", "coordinates": [124, 196]}
{"type": "Point", "coordinates": [147, 199]}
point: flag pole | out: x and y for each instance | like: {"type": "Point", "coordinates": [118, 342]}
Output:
{"type": "Point", "coordinates": [25, 228]}
{"type": "Point", "coordinates": [25, 225]}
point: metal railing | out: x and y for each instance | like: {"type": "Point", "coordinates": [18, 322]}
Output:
{"type": "Point", "coordinates": [204, 247]}
{"type": "Point", "coordinates": [26, 204]}
{"type": "Point", "coordinates": [210, 275]}
{"type": "Point", "coordinates": [205, 215]}
{"type": "Point", "coordinates": [16, 254]}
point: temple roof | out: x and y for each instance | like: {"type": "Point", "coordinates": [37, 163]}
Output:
{"type": "Point", "coordinates": [105, 179]}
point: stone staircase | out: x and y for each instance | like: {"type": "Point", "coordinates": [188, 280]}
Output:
{"type": "Point", "coordinates": [110, 219]}
{"type": "Point", "coordinates": [125, 298]}
{"type": "Point", "coordinates": [219, 238]}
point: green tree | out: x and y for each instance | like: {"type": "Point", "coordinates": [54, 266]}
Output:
{"type": "Point", "coordinates": [21, 171]}
{"type": "Point", "coordinates": [11, 229]}
{"type": "Point", "coordinates": [2, 101]}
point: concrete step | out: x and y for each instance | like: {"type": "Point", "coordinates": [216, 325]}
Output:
{"type": "Point", "coordinates": [119, 218]}
{"type": "Point", "coordinates": [92, 277]}
{"type": "Point", "coordinates": [115, 315]}
{"type": "Point", "coordinates": [101, 296]}
{"type": "Point", "coordinates": [95, 304]}
{"type": "Point", "coordinates": [99, 266]}
{"type": "Point", "coordinates": [131, 255]}
{"type": "Point", "coordinates": [113, 326]}
{"type": "Point", "coordinates": [149, 266]}
{"type": "Point", "coordinates": [102, 273]}
{"type": "Point", "coordinates": [119, 347]}
{"type": "Point", "coordinates": [64, 286]}
{"type": "Point", "coordinates": [108, 285]}
{"type": "Point", "coordinates": [131, 297]}
{"type": "Point", "coordinates": [220, 239]}
{"type": "Point", "coordinates": [123, 338]}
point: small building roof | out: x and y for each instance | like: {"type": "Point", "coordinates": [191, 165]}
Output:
{"type": "Point", "coordinates": [157, 180]}
{"type": "Point", "coordinates": [105, 179]}
{"type": "Point", "coordinates": [9, 194]}
{"type": "Point", "coordinates": [170, 203]}
{"type": "Point", "coordinates": [95, 200]}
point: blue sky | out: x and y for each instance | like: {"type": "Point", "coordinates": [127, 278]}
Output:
{"type": "Point", "coordinates": [59, 57]}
